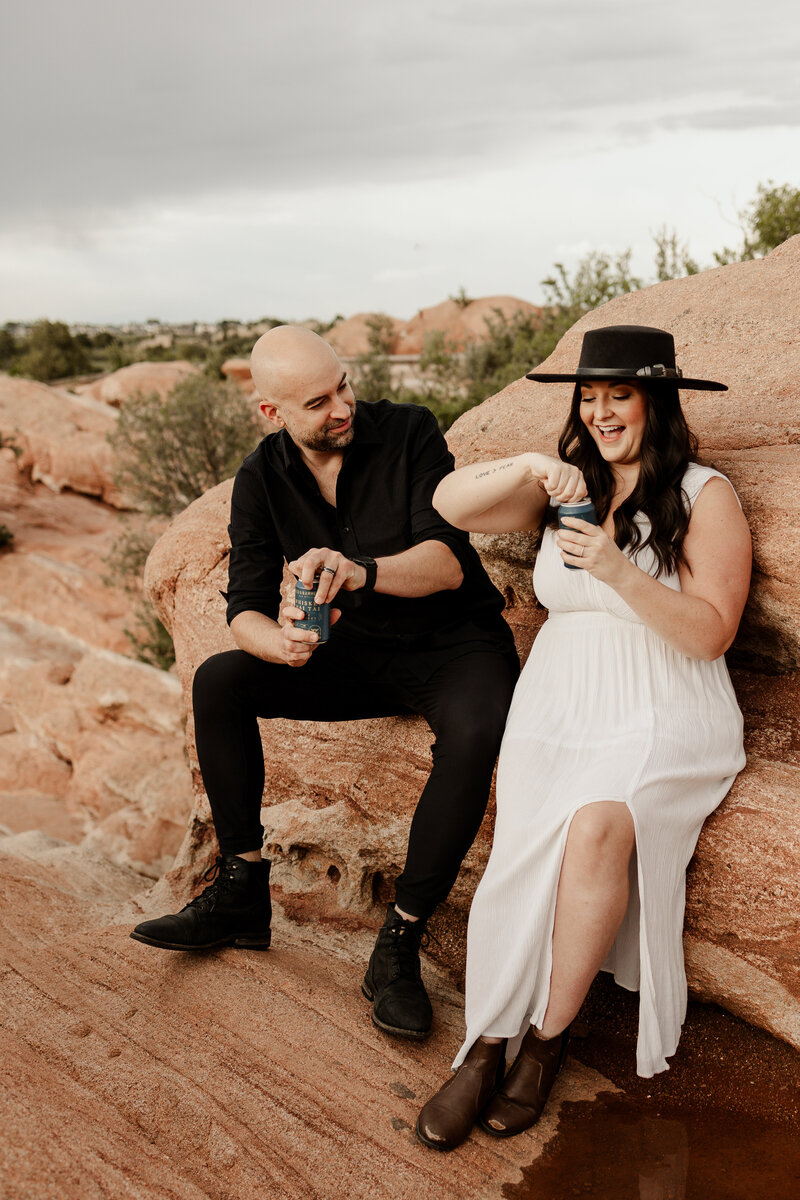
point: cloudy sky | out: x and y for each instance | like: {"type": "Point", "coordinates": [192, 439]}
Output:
{"type": "Point", "coordinates": [188, 159]}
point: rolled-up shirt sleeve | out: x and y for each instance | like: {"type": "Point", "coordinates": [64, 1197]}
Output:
{"type": "Point", "coordinates": [430, 462]}
{"type": "Point", "coordinates": [255, 568]}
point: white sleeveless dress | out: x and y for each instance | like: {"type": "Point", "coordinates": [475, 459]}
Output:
{"type": "Point", "coordinates": [604, 710]}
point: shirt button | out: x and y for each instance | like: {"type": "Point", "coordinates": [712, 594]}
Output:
{"type": "Point", "coordinates": [347, 528]}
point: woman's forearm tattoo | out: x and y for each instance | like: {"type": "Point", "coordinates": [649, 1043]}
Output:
{"type": "Point", "coordinates": [493, 470]}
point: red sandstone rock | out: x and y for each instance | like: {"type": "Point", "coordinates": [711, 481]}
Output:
{"type": "Point", "coordinates": [144, 377]}
{"type": "Point", "coordinates": [461, 324]}
{"type": "Point", "coordinates": [100, 732]}
{"type": "Point", "coordinates": [237, 370]}
{"type": "Point", "coordinates": [55, 571]}
{"type": "Point", "coordinates": [351, 337]}
{"type": "Point", "coordinates": [138, 1074]}
{"type": "Point", "coordinates": [61, 438]}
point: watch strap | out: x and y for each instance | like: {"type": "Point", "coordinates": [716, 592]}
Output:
{"type": "Point", "coordinates": [371, 568]}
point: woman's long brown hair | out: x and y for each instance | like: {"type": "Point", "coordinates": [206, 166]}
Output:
{"type": "Point", "coordinates": [668, 446]}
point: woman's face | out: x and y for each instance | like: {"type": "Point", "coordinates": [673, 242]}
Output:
{"type": "Point", "coordinates": [615, 415]}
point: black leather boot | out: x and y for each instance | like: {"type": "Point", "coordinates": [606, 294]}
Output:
{"type": "Point", "coordinates": [393, 980]}
{"type": "Point", "coordinates": [234, 910]}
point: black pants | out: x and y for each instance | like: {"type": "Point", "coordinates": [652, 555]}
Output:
{"type": "Point", "coordinates": [464, 700]}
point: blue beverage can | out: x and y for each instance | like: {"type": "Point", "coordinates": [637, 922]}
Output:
{"type": "Point", "coordinates": [318, 616]}
{"type": "Point", "coordinates": [584, 510]}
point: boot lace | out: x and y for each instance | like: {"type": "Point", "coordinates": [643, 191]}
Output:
{"type": "Point", "coordinates": [406, 939]}
{"type": "Point", "coordinates": [220, 879]}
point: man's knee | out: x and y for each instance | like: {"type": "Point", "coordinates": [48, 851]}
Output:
{"type": "Point", "coordinates": [220, 676]}
{"type": "Point", "coordinates": [473, 731]}
{"type": "Point", "coordinates": [475, 716]}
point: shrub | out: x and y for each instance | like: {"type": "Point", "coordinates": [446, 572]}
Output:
{"type": "Point", "coordinates": [169, 453]}
{"type": "Point", "coordinates": [172, 451]}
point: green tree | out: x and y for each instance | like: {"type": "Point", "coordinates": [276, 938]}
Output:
{"type": "Point", "coordinates": [770, 219]}
{"type": "Point", "coordinates": [672, 259]}
{"type": "Point", "coordinates": [442, 385]}
{"type": "Point", "coordinates": [372, 377]}
{"type": "Point", "coordinates": [8, 348]}
{"type": "Point", "coordinates": [51, 352]}
{"type": "Point", "coordinates": [598, 277]}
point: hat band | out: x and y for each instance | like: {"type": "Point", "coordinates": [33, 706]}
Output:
{"type": "Point", "coordinates": [658, 371]}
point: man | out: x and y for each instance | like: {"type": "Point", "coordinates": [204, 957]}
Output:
{"type": "Point", "coordinates": [343, 494]}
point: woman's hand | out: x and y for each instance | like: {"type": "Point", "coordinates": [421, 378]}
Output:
{"type": "Point", "coordinates": [560, 480]}
{"type": "Point", "coordinates": [589, 547]}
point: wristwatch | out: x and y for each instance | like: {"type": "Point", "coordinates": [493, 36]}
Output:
{"type": "Point", "coordinates": [371, 567]}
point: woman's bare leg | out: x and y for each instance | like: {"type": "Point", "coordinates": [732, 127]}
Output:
{"type": "Point", "coordinates": [592, 899]}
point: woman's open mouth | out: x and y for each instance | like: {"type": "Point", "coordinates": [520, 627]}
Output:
{"type": "Point", "coordinates": [610, 433]}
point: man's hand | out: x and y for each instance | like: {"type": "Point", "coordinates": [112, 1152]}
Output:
{"type": "Point", "coordinates": [334, 570]}
{"type": "Point", "coordinates": [294, 645]}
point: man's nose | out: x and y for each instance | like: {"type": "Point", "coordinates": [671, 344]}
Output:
{"type": "Point", "coordinates": [340, 408]}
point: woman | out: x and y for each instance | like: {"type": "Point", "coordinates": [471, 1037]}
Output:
{"type": "Point", "coordinates": [623, 734]}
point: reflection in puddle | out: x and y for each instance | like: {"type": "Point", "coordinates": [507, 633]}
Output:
{"type": "Point", "coordinates": [609, 1149]}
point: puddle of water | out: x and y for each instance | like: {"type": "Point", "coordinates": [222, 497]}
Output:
{"type": "Point", "coordinates": [614, 1149]}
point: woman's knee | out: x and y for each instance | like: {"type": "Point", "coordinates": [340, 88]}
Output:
{"type": "Point", "coordinates": [601, 835]}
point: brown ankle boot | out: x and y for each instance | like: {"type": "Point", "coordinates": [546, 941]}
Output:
{"type": "Point", "coordinates": [519, 1101]}
{"type": "Point", "coordinates": [447, 1118]}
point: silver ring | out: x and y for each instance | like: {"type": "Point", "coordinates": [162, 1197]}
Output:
{"type": "Point", "coordinates": [331, 569]}
{"type": "Point", "coordinates": [581, 553]}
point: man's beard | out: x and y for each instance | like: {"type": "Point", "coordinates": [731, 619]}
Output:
{"type": "Point", "coordinates": [328, 439]}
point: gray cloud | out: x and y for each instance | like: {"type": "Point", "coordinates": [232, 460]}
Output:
{"type": "Point", "coordinates": [112, 106]}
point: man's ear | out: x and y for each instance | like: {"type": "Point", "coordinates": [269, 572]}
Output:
{"type": "Point", "coordinates": [272, 413]}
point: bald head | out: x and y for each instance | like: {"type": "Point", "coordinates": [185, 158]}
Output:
{"type": "Point", "coordinates": [287, 362]}
{"type": "Point", "coordinates": [303, 389]}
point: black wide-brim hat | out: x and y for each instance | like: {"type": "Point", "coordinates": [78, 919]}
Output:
{"type": "Point", "coordinates": [636, 352]}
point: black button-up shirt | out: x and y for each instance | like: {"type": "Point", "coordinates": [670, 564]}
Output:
{"type": "Point", "coordinates": [383, 506]}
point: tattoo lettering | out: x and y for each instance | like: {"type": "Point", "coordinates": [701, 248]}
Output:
{"type": "Point", "coordinates": [493, 470]}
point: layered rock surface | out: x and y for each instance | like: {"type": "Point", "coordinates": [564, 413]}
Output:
{"type": "Point", "coordinates": [94, 737]}
{"type": "Point", "coordinates": [60, 438]}
{"type": "Point", "coordinates": [340, 796]}
{"type": "Point", "coordinates": [54, 569]}
{"type": "Point", "coordinates": [135, 1073]}
{"type": "Point", "coordinates": [90, 741]}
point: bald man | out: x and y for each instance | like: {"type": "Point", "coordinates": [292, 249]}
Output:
{"type": "Point", "coordinates": [342, 493]}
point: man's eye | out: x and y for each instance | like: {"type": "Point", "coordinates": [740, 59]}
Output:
{"type": "Point", "coordinates": [342, 386]}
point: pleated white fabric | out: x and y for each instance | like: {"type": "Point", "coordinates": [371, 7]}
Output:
{"type": "Point", "coordinates": [604, 710]}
